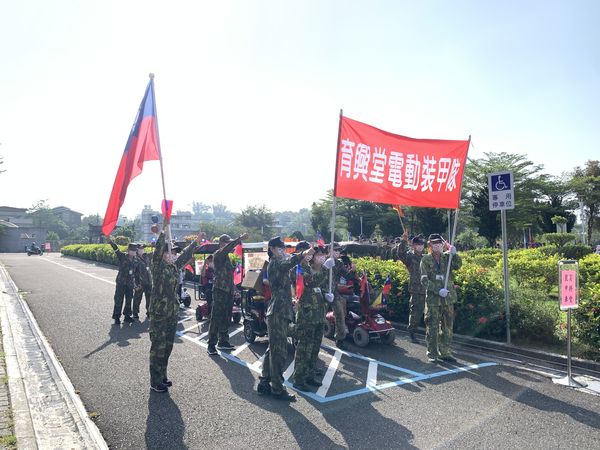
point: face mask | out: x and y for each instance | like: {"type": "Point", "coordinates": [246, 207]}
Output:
{"type": "Point", "coordinates": [140, 252]}
{"type": "Point", "coordinates": [437, 248]}
{"type": "Point", "coordinates": [320, 260]}
{"type": "Point", "coordinates": [131, 253]}
{"type": "Point", "coordinates": [281, 253]}
{"type": "Point", "coordinates": [418, 248]}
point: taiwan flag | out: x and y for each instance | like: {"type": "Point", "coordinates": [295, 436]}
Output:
{"type": "Point", "coordinates": [238, 274]}
{"type": "Point", "coordinates": [299, 282]}
{"type": "Point", "coordinates": [320, 241]}
{"type": "Point", "coordinates": [382, 299]}
{"type": "Point", "coordinates": [142, 145]}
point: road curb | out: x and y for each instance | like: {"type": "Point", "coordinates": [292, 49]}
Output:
{"type": "Point", "coordinates": [469, 341]}
{"type": "Point", "coordinates": [34, 427]}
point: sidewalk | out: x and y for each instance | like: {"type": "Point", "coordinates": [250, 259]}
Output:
{"type": "Point", "coordinates": [46, 411]}
{"type": "Point", "coordinates": [7, 437]}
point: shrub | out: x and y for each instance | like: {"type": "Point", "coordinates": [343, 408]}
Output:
{"type": "Point", "coordinates": [558, 239]}
{"type": "Point", "coordinates": [532, 269]}
{"type": "Point", "coordinates": [479, 310]}
{"type": "Point", "coordinates": [533, 317]}
{"type": "Point", "coordinates": [589, 270]}
{"type": "Point", "coordinates": [377, 271]}
{"type": "Point", "coordinates": [587, 320]}
{"type": "Point", "coordinates": [575, 251]}
{"type": "Point", "coordinates": [122, 240]}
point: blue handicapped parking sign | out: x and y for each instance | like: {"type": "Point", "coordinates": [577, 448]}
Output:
{"type": "Point", "coordinates": [501, 182]}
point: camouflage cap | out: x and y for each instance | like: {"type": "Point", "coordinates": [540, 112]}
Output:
{"type": "Point", "coordinates": [276, 242]}
{"type": "Point", "coordinates": [224, 239]}
{"type": "Point", "coordinates": [132, 246]}
{"type": "Point", "coordinates": [435, 239]}
{"type": "Point", "coordinates": [418, 239]}
{"type": "Point", "coordinates": [302, 245]}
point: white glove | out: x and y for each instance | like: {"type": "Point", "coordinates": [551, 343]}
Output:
{"type": "Point", "coordinates": [329, 297]}
{"type": "Point", "coordinates": [329, 263]}
{"type": "Point", "coordinates": [443, 292]}
{"type": "Point", "coordinates": [452, 250]}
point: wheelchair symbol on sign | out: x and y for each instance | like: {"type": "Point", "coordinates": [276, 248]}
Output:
{"type": "Point", "coordinates": [500, 184]}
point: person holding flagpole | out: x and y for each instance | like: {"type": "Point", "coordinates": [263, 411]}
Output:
{"type": "Point", "coordinates": [412, 260]}
{"type": "Point", "coordinates": [164, 305]}
{"type": "Point", "coordinates": [441, 296]}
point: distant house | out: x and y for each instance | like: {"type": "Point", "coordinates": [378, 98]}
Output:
{"type": "Point", "coordinates": [69, 217]}
{"type": "Point", "coordinates": [17, 231]}
{"type": "Point", "coordinates": [181, 224]}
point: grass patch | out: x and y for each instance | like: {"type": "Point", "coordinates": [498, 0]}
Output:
{"type": "Point", "coordinates": [4, 379]}
{"type": "Point", "coordinates": [93, 415]}
{"type": "Point", "coordinates": [9, 442]}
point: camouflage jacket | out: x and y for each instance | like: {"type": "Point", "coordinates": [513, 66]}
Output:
{"type": "Point", "coordinates": [127, 267]}
{"type": "Point", "coordinates": [433, 275]}
{"type": "Point", "coordinates": [278, 272]}
{"type": "Point", "coordinates": [312, 306]}
{"type": "Point", "coordinates": [164, 303]}
{"type": "Point", "coordinates": [143, 276]}
{"type": "Point", "coordinates": [224, 268]}
{"type": "Point", "coordinates": [412, 261]}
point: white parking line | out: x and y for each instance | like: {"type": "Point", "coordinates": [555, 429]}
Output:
{"type": "Point", "coordinates": [372, 375]}
{"type": "Point", "coordinates": [289, 371]}
{"type": "Point", "coordinates": [240, 349]}
{"type": "Point", "coordinates": [328, 378]}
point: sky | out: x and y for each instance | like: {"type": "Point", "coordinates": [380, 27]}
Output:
{"type": "Point", "coordinates": [249, 92]}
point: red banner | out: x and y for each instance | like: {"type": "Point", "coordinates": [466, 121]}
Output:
{"type": "Point", "coordinates": [382, 167]}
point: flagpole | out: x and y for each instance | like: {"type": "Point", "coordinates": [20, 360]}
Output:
{"type": "Point", "coordinates": [334, 202]}
{"type": "Point", "coordinates": [455, 222]}
{"type": "Point", "coordinates": [162, 172]}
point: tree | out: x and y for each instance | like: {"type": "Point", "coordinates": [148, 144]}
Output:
{"type": "Point", "coordinates": [527, 179]}
{"type": "Point", "coordinates": [201, 210]}
{"type": "Point", "coordinates": [556, 199]}
{"type": "Point", "coordinates": [259, 218]}
{"type": "Point", "coordinates": [586, 185]}
{"type": "Point", "coordinates": [44, 217]}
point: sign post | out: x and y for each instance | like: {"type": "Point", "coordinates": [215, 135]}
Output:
{"type": "Point", "coordinates": [502, 197]}
{"type": "Point", "coordinates": [568, 298]}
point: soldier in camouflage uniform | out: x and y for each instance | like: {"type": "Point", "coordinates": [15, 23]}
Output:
{"type": "Point", "coordinates": [164, 307]}
{"type": "Point", "coordinates": [222, 295]}
{"type": "Point", "coordinates": [439, 310]}
{"type": "Point", "coordinates": [341, 272]}
{"type": "Point", "coordinates": [143, 281]}
{"type": "Point", "coordinates": [125, 282]}
{"type": "Point", "coordinates": [310, 319]}
{"type": "Point", "coordinates": [279, 317]}
{"type": "Point", "coordinates": [412, 261]}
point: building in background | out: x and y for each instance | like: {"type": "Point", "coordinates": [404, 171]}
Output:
{"type": "Point", "coordinates": [181, 224]}
{"type": "Point", "coordinates": [17, 231]}
{"type": "Point", "coordinates": [71, 218]}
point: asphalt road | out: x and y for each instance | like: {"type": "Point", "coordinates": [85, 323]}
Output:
{"type": "Point", "coordinates": [213, 403]}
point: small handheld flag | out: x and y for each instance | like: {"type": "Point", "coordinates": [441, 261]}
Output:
{"type": "Point", "coordinates": [299, 281]}
{"type": "Point", "coordinates": [167, 208]}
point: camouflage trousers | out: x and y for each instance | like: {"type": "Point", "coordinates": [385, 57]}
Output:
{"type": "Point", "coordinates": [122, 291]}
{"type": "Point", "coordinates": [307, 351]}
{"type": "Point", "coordinates": [220, 316]}
{"type": "Point", "coordinates": [439, 324]}
{"type": "Point", "coordinates": [339, 310]}
{"type": "Point", "coordinates": [162, 335]}
{"type": "Point", "coordinates": [417, 306]}
{"type": "Point", "coordinates": [146, 289]}
{"type": "Point", "coordinates": [276, 354]}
